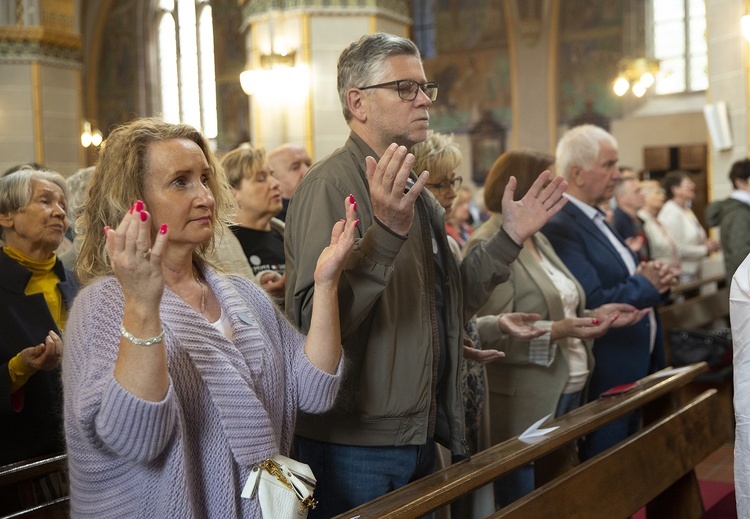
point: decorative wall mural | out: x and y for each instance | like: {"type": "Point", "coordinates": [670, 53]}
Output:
{"type": "Point", "coordinates": [471, 66]}
{"type": "Point", "coordinates": [118, 67]}
{"type": "Point", "coordinates": [591, 44]}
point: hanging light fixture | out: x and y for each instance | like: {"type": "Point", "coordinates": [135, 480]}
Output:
{"type": "Point", "coordinates": [636, 75]}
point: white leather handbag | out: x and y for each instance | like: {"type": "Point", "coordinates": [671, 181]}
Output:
{"type": "Point", "coordinates": [284, 487]}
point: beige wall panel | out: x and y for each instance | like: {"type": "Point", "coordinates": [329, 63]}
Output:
{"type": "Point", "coordinates": [727, 70]}
{"type": "Point", "coordinates": [634, 134]}
{"type": "Point", "coordinates": [16, 115]}
{"type": "Point", "coordinates": [62, 127]}
{"type": "Point", "coordinates": [328, 37]}
{"type": "Point", "coordinates": [391, 27]}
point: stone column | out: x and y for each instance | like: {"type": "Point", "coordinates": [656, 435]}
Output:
{"type": "Point", "coordinates": [306, 109]}
{"type": "Point", "coordinates": [532, 45]}
{"type": "Point", "coordinates": [40, 93]}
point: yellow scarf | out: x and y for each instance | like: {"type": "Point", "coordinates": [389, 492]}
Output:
{"type": "Point", "coordinates": [44, 280]}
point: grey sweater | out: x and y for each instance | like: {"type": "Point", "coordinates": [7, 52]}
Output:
{"type": "Point", "coordinates": [229, 405]}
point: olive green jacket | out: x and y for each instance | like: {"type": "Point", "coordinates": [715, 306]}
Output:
{"type": "Point", "coordinates": [389, 394]}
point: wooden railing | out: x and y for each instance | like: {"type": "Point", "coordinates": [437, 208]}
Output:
{"type": "Point", "coordinates": [667, 416]}
{"type": "Point", "coordinates": [12, 476]}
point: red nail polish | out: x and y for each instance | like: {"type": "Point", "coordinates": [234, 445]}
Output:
{"type": "Point", "coordinates": [355, 206]}
{"type": "Point", "coordinates": [163, 229]}
{"type": "Point", "coordinates": [595, 321]}
{"type": "Point", "coordinates": [351, 199]}
{"type": "Point", "coordinates": [144, 215]}
{"type": "Point", "coordinates": [356, 223]}
{"type": "Point", "coordinates": [139, 206]}
{"type": "Point", "coordinates": [131, 209]}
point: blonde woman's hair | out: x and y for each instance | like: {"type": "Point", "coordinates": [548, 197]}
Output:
{"type": "Point", "coordinates": [118, 181]}
{"type": "Point", "coordinates": [437, 152]}
{"type": "Point", "coordinates": [243, 162]}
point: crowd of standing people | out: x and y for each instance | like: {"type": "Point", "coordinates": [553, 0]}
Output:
{"type": "Point", "coordinates": [214, 312]}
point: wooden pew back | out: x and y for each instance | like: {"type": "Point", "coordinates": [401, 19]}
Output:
{"type": "Point", "coordinates": [654, 466]}
{"type": "Point", "coordinates": [659, 396]}
{"type": "Point", "coordinates": [11, 476]}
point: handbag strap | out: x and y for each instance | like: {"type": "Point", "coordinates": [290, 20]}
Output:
{"type": "Point", "coordinates": [300, 484]}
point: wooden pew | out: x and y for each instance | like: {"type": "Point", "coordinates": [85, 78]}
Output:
{"type": "Point", "coordinates": [12, 475]}
{"type": "Point", "coordinates": [655, 466]}
{"type": "Point", "coordinates": [706, 311]}
{"type": "Point", "coordinates": [675, 454]}
{"type": "Point", "coordinates": [696, 312]}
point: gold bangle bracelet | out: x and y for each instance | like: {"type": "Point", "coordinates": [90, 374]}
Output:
{"type": "Point", "coordinates": [141, 342]}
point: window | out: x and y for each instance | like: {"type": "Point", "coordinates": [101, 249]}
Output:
{"type": "Point", "coordinates": [423, 16]}
{"type": "Point", "coordinates": [679, 43]}
{"type": "Point", "coordinates": [186, 64]}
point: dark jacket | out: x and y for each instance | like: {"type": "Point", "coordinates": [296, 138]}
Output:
{"type": "Point", "coordinates": [629, 227]}
{"type": "Point", "coordinates": [35, 430]}
{"type": "Point", "coordinates": [733, 219]}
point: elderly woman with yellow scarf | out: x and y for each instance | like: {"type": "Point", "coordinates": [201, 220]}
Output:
{"type": "Point", "coordinates": [35, 293]}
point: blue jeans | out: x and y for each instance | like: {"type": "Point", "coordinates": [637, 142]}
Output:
{"type": "Point", "coordinates": [514, 485]}
{"type": "Point", "coordinates": [350, 475]}
{"type": "Point", "coordinates": [568, 402]}
{"type": "Point", "coordinates": [520, 482]}
{"type": "Point", "coordinates": [608, 435]}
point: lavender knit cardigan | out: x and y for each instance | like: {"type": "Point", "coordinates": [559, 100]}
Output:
{"type": "Point", "coordinates": [229, 405]}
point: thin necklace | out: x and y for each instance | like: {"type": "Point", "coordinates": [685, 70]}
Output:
{"type": "Point", "coordinates": [203, 294]}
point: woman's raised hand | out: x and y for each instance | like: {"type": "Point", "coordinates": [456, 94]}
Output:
{"type": "Point", "coordinates": [332, 260]}
{"type": "Point", "coordinates": [135, 261]}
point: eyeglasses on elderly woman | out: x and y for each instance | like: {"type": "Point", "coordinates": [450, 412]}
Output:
{"type": "Point", "coordinates": [446, 184]}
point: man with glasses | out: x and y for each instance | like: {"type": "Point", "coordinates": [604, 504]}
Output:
{"type": "Point", "coordinates": [402, 298]}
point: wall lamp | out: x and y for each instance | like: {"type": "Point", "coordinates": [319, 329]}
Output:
{"type": "Point", "coordinates": [89, 137]}
{"type": "Point", "coordinates": [278, 77]}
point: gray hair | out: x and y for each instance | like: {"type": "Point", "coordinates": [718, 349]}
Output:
{"type": "Point", "coordinates": [620, 185]}
{"type": "Point", "coordinates": [16, 188]}
{"type": "Point", "coordinates": [361, 63]}
{"type": "Point", "coordinates": [78, 185]}
{"type": "Point", "coordinates": [580, 147]}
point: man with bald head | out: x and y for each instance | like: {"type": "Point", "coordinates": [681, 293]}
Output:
{"type": "Point", "coordinates": [288, 163]}
{"type": "Point", "coordinates": [607, 270]}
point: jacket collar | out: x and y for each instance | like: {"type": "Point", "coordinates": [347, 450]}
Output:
{"type": "Point", "coordinates": [16, 278]}
{"type": "Point", "coordinates": [582, 221]}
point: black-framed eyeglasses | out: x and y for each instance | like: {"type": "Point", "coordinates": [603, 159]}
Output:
{"type": "Point", "coordinates": [408, 89]}
{"type": "Point", "coordinates": [446, 184]}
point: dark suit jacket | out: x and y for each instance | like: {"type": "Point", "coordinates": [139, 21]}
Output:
{"type": "Point", "coordinates": [25, 321]}
{"type": "Point", "coordinates": [628, 228]}
{"type": "Point", "coordinates": [622, 354]}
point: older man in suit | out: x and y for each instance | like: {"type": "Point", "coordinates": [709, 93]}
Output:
{"type": "Point", "coordinates": [607, 270]}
